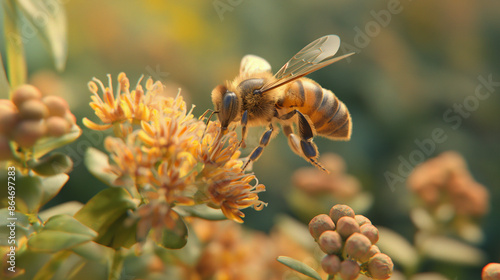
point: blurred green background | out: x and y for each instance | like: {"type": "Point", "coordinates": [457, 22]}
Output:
{"type": "Point", "coordinates": [416, 61]}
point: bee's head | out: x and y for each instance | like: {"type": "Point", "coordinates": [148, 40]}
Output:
{"type": "Point", "coordinates": [226, 103]}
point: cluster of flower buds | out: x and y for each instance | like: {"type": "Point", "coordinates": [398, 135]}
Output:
{"type": "Point", "coordinates": [447, 179]}
{"type": "Point", "coordinates": [491, 272]}
{"type": "Point", "coordinates": [349, 242]}
{"type": "Point", "coordinates": [28, 117]}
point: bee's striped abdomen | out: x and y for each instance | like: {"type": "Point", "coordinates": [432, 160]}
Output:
{"type": "Point", "coordinates": [328, 114]}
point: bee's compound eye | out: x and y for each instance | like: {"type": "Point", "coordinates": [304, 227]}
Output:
{"type": "Point", "coordinates": [228, 109]}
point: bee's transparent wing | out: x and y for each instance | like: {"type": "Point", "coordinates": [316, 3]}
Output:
{"type": "Point", "coordinates": [312, 57]}
{"type": "Point", "coordinates": [251, 64]}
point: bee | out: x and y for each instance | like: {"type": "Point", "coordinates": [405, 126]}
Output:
{"type": "Point", "coordinates": [256, 97]}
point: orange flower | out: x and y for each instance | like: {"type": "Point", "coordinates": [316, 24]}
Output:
{"type": "Point", "coordinates": [232, 191]}
{"type": "Point", "coordinates": [133, 165]}
{"type": "Point", "coordinates": [124, 105]}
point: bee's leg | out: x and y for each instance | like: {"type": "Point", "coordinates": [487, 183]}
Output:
{"type": "Point", "coordinates": [244, 119]}
{"type": "Point", "coordinates": [309, 149]}
{"type": "Point", "coordinates": [304, 147]}
{"type": "Point", "coordinates": [293, 140]}
{"type": "Point", "coordinates": [257, 152]}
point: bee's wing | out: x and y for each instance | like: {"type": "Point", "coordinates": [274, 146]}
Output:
{"type": "Point", "coordinates": [251, 64]}
{"type": "Point", "coordinates": [312, 57]}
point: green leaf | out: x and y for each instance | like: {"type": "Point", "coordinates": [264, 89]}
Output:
{"type": "Point", "coordinates": [22, 225]}
{"type": "Point", "coordinates": [106, 213]}
{"type": "Point", "coordinates": [299, 267]}
{"type": "Point", "coordinates": [29, 191]}
{"type": "Point", "coordinates": [119, 234]}
{"type": "Point", "coordinates": [52, 185]}
{"type": "Point", "coordinates": [66, 223]}
{"type": "Point", "coordinates": [49, 20]}
{"type": "Point", "coordinates": [50, 268]}
{"type": "Point", "coordinates": [450, 250]}
{"type": "Point", "coordinates": [201, 211]}
{"type": "Point", "coordinates": [33, 191]}
{"type": "Point", "coordinates": [94, 252]}
{"type": "Point", "coordinates": [47, 144]}
{"type": "Point", "coordinates": [398, 248]}
{"type": "Point", "coordinates": [53, 164]}
{"type": "Point", "coordinates": [68, 208]}
{"type": "Point", "coordinates": [4, 83]}
{"type": "Point", "coordinates": [59, 233]}
{"type": "Point", "coordinates": [52, 241]}
{"type": "Point", "coordinates": [97, 163]}
{"type": "Point", "coordinates": [16, 62]}
{"type": "Point", "coordinates": [176, 237]}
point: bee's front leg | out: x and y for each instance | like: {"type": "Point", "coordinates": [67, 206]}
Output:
{"type": "Point", "coordinates": [244, 120]}
{"type": "Point", "coordinates": [257, 152]}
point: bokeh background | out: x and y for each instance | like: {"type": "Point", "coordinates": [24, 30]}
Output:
{"type": "Point", "coordinates": [416, 60]}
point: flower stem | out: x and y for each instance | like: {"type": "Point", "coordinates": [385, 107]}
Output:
{"type": "Point", "coordinates": [117, 265]}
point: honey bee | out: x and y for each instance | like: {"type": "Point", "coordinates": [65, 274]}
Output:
{"type": "Point", "coordinates": [257, 98]}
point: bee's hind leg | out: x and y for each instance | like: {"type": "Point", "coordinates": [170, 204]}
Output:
{"type": "Point", "coordinates": [303, 144]}
{"type": "Point", "coordinates": [257, 152]}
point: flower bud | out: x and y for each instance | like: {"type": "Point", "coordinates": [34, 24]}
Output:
{"type": "Point", "coordinates": [371, 252]}
{"type": "Point", "coordinates": [340, 210]}
{"type": "Point", "coordinates": [357, 246]}
{"type": "Point", "coordinates": [380, 266]}
{"type": "Point", "coordinates": [28, 132]}
{"type": "Point", "coordinates": [349, 270]}
{"type": "Point", "coordinates": [362, 220]}
{"type": "Point", "coordinates": [331, 264]}
{"type": "Point", "coordinates": [57, 126]}
{"type": "Point", "coordinates": [33, 109]}
{"type": "Point", "coordinates": [330, 242]}
{"type": "Point", "coordinates": [319, 224]}
{"type": "Point", "coordinates": [24, 93]}
{"type": "Point", "coordinates": [347, 226]}
{"type": "Point", "coordinates": [8, 119]}
{"type": "Point", "coordinates": [491, 272]}
{"type": "Point", "coordinates": [56, 105]}
{"type": "Point", "coordinates": [370, 231]}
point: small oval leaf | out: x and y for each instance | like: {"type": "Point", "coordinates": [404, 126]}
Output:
{"type": "Point", "coordinates": [51, 241]}
{"type": "Point", "coordinates": [299, 267]}
{"type": "Point", "coordinates": [53, 164]}
{"type": "Point", "coordinates": [97, 163]}
{"type": "Point", "coordinates": [176, 237]}
{"type": "Point", "coordinates": [47, 144]}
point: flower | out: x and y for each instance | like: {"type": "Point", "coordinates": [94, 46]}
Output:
{"type": "Point", "coordinates": [124, 105]}
{"type": "Point", "coordinates": [233, 191]}
{"type": "Point", "coordinates": [446, 180]}
{"type": "Point", "coordinates": [168, 156]}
